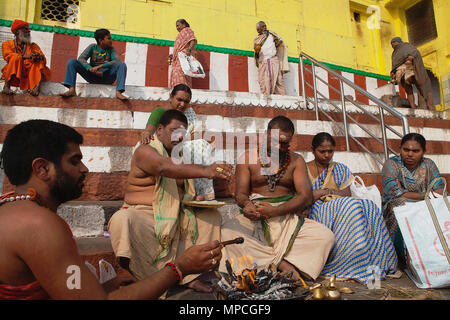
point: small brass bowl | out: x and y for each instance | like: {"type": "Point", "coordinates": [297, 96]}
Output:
{"type": "Point", "coordinates": [333, 294]}
{"type": "Point", "coordinates": [346, 290]}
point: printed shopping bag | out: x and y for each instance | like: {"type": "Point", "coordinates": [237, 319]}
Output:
{"type": "Point", "coordinates": [425, 227]}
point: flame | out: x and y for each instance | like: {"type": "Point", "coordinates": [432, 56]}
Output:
{"type": "Point", "coordinates": [251, 275]}
{"type": "Point", "coordinates": [246, 276]}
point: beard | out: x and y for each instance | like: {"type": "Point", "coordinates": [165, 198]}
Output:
{"type": "Point", "coordinates": [66, 188]}
{"type": "Point", "coordinates": [24, 38]}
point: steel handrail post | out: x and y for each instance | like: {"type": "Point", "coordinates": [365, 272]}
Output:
{"type": "Point", "coordinates": [316, 104]}
{"type": "Point", "coordinates": [344, 115]}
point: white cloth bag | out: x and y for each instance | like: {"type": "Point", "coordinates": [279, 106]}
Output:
{"type": "Point", "coordinates": [191, 66]}
{"type": "Point", "coordinates": [359, 190]}
{"type": "Point", "coordinates": [425, 227]}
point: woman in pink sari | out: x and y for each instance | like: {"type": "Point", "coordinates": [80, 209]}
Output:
{"type": "Point", "coordinates": [185, 42]}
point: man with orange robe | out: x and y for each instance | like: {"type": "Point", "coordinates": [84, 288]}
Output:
{"type": "Point", "coordinates": [25, 62]}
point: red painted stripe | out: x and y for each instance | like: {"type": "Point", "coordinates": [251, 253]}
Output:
{"type": "Point", "coordinates": [360, 81]}
{"type": "Point", "coordinates": [308, 79]}
{"type": "Point", "coordinates": [121, 48]}
{"type": "Point", "coordinates": [334, 82]}
{"type": "Point", "coordinates": [417, 251]}
{"type": "Point", "coordinates": [204, 58]}
{"type": "Point", "coordinates": [65, 47]}
{"type": "Point", "coordinates": [237, 73]}
{"type": "Point", "coordinates": [157, 70]}
{"type": "Point", "coordinates": [381, 82]}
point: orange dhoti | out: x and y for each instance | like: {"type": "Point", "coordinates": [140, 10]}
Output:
{"type": "Point", "coordinates": [23, 73]}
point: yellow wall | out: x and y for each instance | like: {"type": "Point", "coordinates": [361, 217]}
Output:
{"type": "Point", "coordinates": [324, 29]}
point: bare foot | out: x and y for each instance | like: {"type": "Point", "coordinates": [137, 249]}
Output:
{"type": "Point", "coordinates": [35, 91]}
{"type": "Point", "coordinates": [120, 96]}
{"type": "Point", "coordinates": [199, 286]}
{"type": "Point", "coordinates": [70, 93]}
{"type": "Point", "coordinates": [7, 90]}
{"type": "Point", "coordinates": [286, 267]}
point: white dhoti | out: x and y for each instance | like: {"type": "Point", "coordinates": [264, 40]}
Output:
{"type": "Point", "coordinates": [132, 231]}
{"type": "Point", "coordinates": [306, 248]}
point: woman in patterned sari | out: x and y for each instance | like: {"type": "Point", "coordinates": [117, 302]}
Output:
{"type": "Point", "coordinates": [406, 178]}
{"type": "Point", "coordinates": [196, 151]}
{"type": "Point", "coordinates": [362, 245]}
{"type": "Point", "coordinates": [185, 42]}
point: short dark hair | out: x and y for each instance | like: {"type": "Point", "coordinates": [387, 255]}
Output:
{"type": "Point", "coordinates": [170, 115]}
{"type": "Point", "coordinates": [100, 34]}
{"type": "Point", "coordinates": [34, 139]}
{"type": "Point", "coordinates": [283, 123]}
{"type": "Point", "coordinates": [415, 137]}
{"type": "Point", "coordinates": [181, 87]}
{"type": "Point", "coordinates": [184, 22]}
{"type": "Point", "coordinates": [320, 138]}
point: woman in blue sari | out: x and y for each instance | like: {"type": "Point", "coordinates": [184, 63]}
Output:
{"type": "Point", "coordinates": [406, 178]}
{"type": "Point", "coordinates": [362, 246]}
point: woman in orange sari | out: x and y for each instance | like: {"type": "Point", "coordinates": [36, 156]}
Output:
{"type": "Point", "coordinates": [185, 42]}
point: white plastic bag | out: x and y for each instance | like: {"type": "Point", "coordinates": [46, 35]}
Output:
{"type": "Point", "coordinates": [359, 190]}
{"type": "Point", "coordinates": [191, 66]}
{"type": "Point", "coordinates": [425, 227]}
{"type": "Point", "coordinates": [107, 271]}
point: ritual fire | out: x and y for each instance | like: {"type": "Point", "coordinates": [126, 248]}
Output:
{"type": "Point", "coordinates": [265, 284]}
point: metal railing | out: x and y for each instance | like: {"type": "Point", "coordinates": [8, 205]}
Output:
{"type": "Point", "coordinates": [382, 107]}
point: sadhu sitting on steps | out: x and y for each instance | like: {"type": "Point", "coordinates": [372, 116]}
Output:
{"type": "Point", "coordinates": [25, 63]}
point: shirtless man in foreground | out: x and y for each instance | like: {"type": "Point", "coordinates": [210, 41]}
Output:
{"type": "Point", "coordinates": [272, 201]}
{"type": "Point", "coordinates": [153, 225]}
{"type": "Point", "coordinates": [38, 255]}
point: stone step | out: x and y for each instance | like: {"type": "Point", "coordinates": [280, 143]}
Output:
{"type": "Point", "coordinates": [208, 104]}
{"type": "Point", "coordinates": [88, 221]}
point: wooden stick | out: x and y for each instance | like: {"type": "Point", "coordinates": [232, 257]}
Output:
{"type": "Point", "coordinates": [234, 241]}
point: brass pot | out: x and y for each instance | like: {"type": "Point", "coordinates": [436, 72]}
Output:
{"type": "Point", "coordinates": [318, 293]}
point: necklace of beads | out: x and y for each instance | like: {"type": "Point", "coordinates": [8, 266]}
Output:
{"type": "Point", "coordinates": [274, 177]}
{"type": "Point", "coordinates": [12, 196]}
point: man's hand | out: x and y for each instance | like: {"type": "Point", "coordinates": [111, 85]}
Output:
{"type": "Point", "coordinates": [96, 70]}
{"type": "Point", "coordinates": [200, 258]}
{"type": "Point", "coordinates": [265, 209]}
{"type": "Point", "coordinates": [146, 137]}
{"type": "Point", "coordinates": [219, 171]}
{"type": "Point", "coordinates": [250, 212]}
{"type": "Point", "coordinates": [36, 56]}
{"type": "Point", "coordinates": [277, 42]}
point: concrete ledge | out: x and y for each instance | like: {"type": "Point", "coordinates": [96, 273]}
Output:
{"type": "Point", "coordinates": [88, 218]}
{"type": "Point", "coordinates": [88, 221]}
